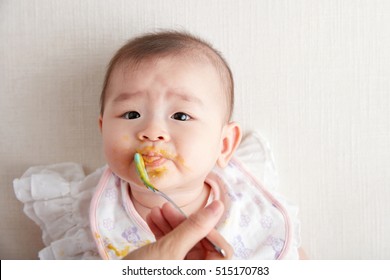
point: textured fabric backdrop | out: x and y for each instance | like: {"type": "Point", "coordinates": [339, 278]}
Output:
{"type": "Point", "coordinates": [312, 76]}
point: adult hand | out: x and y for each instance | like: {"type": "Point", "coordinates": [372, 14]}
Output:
{"type": "Point", "coordinates": [180, 238]}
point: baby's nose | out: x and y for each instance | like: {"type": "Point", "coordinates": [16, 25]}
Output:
{"type": "Point", "coordinates": [153, 134]}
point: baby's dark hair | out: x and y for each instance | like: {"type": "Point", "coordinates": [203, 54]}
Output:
{"type": "Point", "coordinates": [171, 43]}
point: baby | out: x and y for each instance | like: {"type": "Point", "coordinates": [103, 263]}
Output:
{"type": "Point", "coordinates": [169, 97]}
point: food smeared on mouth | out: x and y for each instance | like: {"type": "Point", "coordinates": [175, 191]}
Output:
{"type": "Point", "coordinates": [157, 172]}
{"type": "Point", "coordinates": [155, 156]}
{"type": "Point", "coordinates": [155, 159]}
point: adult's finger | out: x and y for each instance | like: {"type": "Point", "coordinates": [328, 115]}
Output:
{"type": "Point", "coordinates": [174, 218]}
{"type": "Point", "coordinates": [157, 223]}
{"type": "Point", "coordinates": [172, 215]}
{"type": "Point", "coordinates": [158, 233]}
{"type": "Point", "coordinates": [193, 229]}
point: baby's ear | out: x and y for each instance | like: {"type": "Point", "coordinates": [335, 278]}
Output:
{"type": "Point", "coordinates": [231, 140]}
{"type": "Point", "coordinates": [100, 123]}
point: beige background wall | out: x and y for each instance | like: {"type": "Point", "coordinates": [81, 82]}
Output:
{"type": "Point", "coordinates": [312, 76]}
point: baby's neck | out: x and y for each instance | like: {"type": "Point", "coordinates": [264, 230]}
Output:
{"type": "Point", "coordinates": [189, 202]}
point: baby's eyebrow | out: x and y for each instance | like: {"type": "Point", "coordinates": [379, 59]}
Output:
{"type": "Point", "coordinates": [185, 97]}
{"type": "Point", "coordinates": [171, 94]}
{"type": "Point", "coordinates": [125, 96]}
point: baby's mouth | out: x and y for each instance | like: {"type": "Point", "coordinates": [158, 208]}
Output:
{"type": "Point", "coordinates": [153, 159]}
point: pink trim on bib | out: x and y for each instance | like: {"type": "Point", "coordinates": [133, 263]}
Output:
{"type": "Point", "coordinates": [274, 202]}
{"type": "Point", "coordinates": [93, 219]}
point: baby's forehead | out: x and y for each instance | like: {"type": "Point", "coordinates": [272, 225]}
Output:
{"type": "Point", "coordinates": [180, 69]}
{"type": "Point", "coordinates": [133, 69]}
{"type": "Point", "coordinates": [174, 72]}
{"type": "Point", "coordinates": [189, 57]}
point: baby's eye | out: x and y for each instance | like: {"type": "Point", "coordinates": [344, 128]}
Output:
{"type": "Point", "coordinates": [181, 116]}
{"type": "Point", "coordinates": [131, 115]}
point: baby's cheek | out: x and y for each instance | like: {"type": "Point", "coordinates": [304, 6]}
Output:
{"type": "Point", "coordinates": [110, 149]}
{"type": "Point", "coordinates": [119, 161]}
{"type": "Point", "coordinates": [125, 139]}
{"type": "Point", "coordinates": [118, 144]}
{"type": "Point", "coordinates": [113, 153]}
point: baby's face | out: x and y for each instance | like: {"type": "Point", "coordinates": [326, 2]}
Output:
{"type": "Point", "coordinates": [172, 111]}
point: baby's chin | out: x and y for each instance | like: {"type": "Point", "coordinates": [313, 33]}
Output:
{"type": "Point", "coordinates": [158, 173]}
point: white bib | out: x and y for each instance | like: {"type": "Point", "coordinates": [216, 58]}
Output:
{"type": "Point", "coordinates": [255, 223]}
